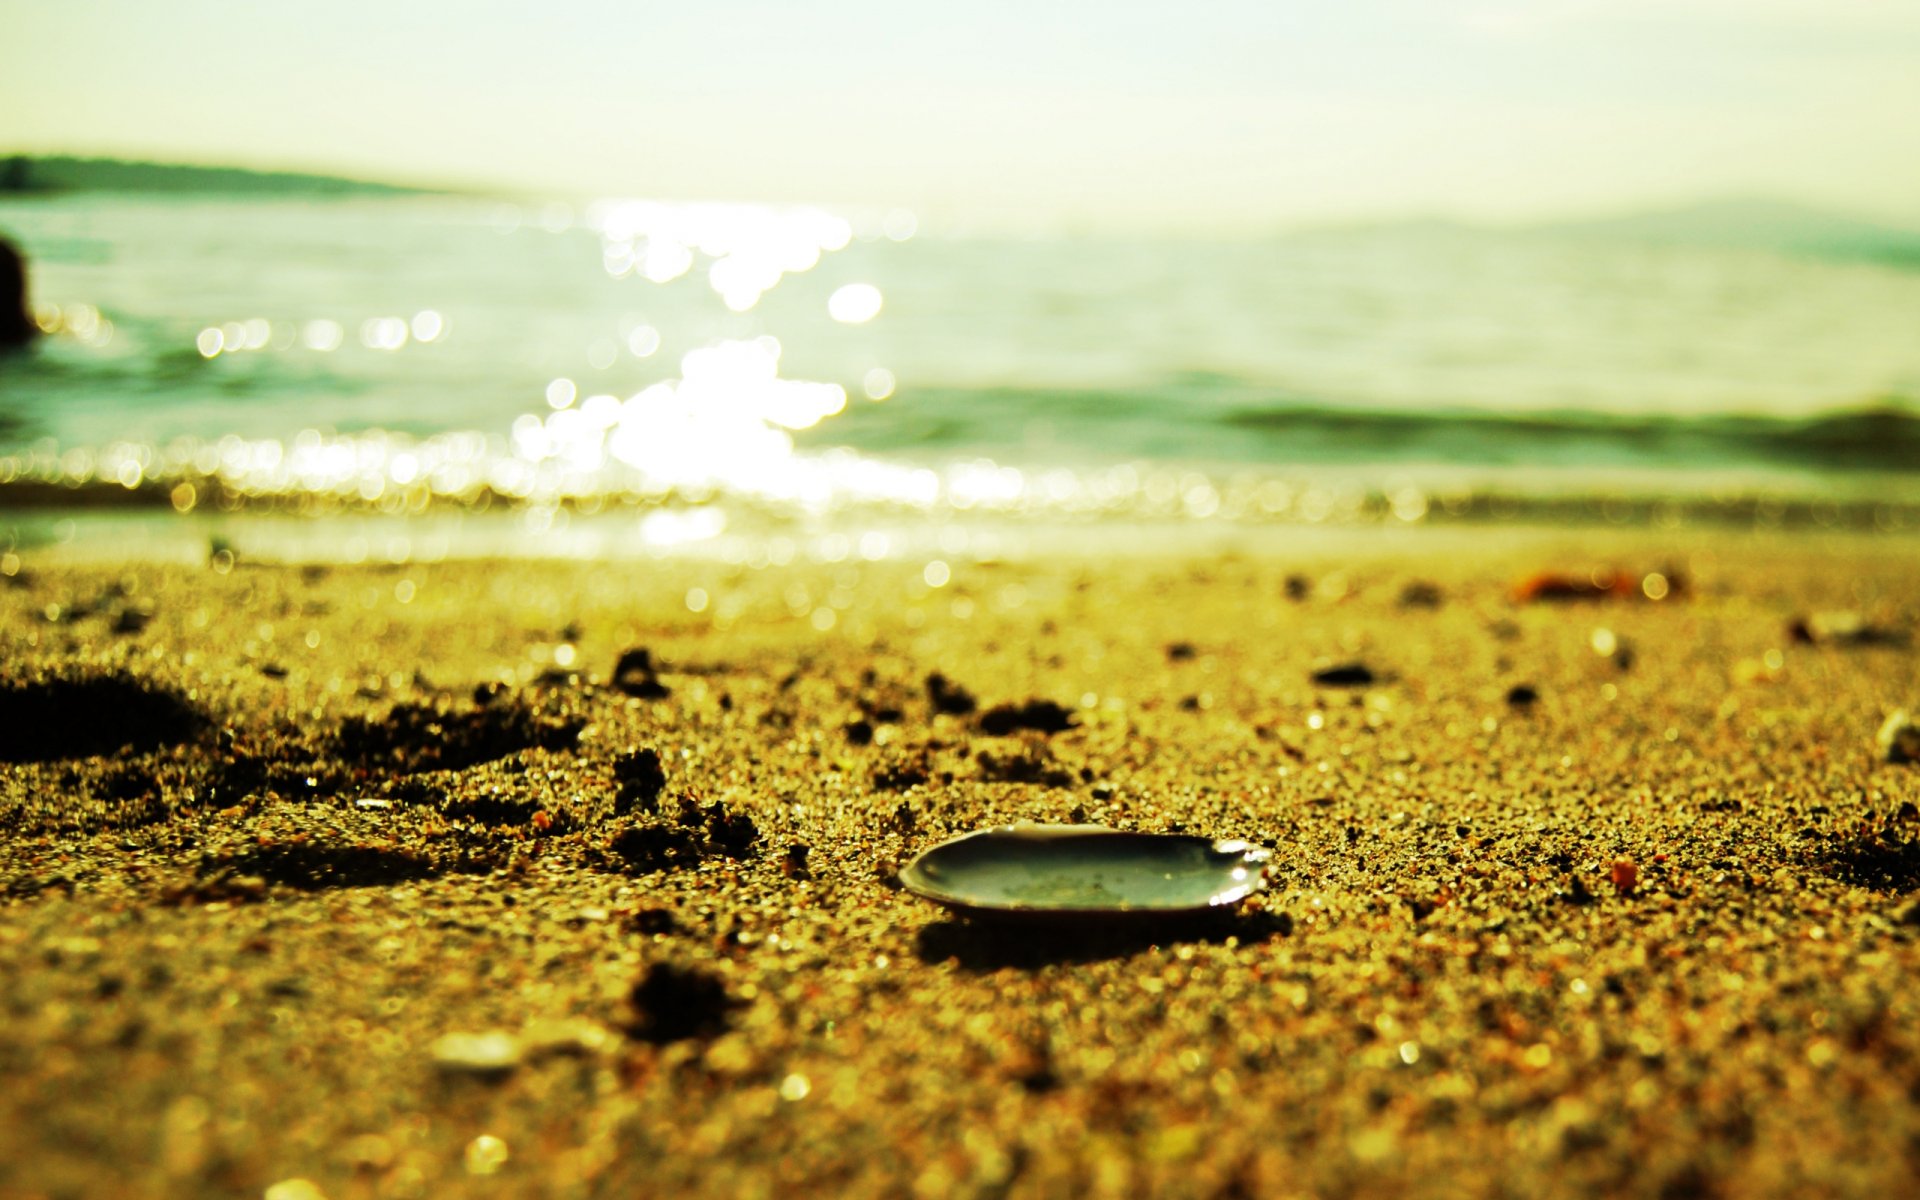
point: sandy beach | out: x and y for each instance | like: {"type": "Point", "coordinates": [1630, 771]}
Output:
{"type": "Point", "coordinates": [422, 880]}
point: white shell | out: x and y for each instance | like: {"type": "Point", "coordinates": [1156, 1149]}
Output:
{"type": "Point", "coordinates": [1086, 870]}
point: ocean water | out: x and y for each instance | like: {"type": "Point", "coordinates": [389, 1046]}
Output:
{"type": "Point", "coordinates": [416, 353]}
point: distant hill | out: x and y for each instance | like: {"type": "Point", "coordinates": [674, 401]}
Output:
{"type": "Point", "coordinates": [1756, 223]}
{"type": "Point", "coordinates": [1750, 224]}
{"type": "Point", "coordinates": [59, 173]}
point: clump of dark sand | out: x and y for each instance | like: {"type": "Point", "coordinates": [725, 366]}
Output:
{"type": "Point", "coordinates": [641, 779]}
{"type": "Point", "coordinates": [1041, 716]}
{"type": "Point", "coordinates": [81, 716]}
{"type": "Point", "coordinates": [698, 832]}
{"type": "Point", "coordinates": [946, 696]}
{"type": "Point", "coordinates": [435, 737]}
{"type": "Point", "coordinates": [673, 1002]}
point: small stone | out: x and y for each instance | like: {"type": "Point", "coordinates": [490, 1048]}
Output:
{"type": "Point", "coordinates": [1522, 695]}
{"type": "Point", "coordinates": [486, 1154]}
{"type": "Point", "coordinates": [494, 1052]}
{"type": "Point", "coordinates": [1899, 738]}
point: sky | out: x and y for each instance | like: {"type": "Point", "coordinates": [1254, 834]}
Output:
{"type": "Point", "coordinates": [1231, 114]}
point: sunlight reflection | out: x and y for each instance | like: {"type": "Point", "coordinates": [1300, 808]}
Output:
{"type": "Point", "coordinates": [749, 247]}
{"type": "Point", "coordinates": [428, 325]}
{"type": "Point", "coordinates": [854, 304]}
{"type": "Point", "coordinates": [323, 335]}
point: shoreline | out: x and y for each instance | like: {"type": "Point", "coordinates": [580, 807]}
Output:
{"type": "Point", "coordinates": [377, 808]}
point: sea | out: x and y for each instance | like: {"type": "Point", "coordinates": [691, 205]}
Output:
{"type": "Point", "coordinates": [587, 376]}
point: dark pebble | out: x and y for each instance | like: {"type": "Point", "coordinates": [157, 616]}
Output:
{"type": "Point", "coordinates": [1351, 674]}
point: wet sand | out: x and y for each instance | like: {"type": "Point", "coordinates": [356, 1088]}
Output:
{"type": "Point", "coordinates": [1651, 933]}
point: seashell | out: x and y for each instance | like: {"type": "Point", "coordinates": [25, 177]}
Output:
{"type": "Point", "coordinates": [1086, 870]}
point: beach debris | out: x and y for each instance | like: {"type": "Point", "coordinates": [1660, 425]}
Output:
{"type": "Point", "coordinates": [1603, 584]}
{"type": "Point", "coordinates": [493, 1052]}
{"type": "Point", "coordinates": [672, 1003]}
{"type": "Point", "coordinates": [1350, 674]}
{"type": "Point", "coordinates": [1899, 737]}
{"type": "Point", "coordinates": [1843, 629]}
{"type": "Point", "coordinates": [641, 779]}
{"type": "Point", "coordinates": [1041, 716]}
{"type": "Point", "coordinates": [1085, 871]}
{"type": "Point", "coordinates": [946, 696]}
{"type": "Point", "coordinates": [1523, 695]}
{"type": "Point", "coordinates": [635, 675]}
{"type": "Point", "coordinates": [1624, 875]}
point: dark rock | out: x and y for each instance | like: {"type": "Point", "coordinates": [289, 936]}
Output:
{"type": "Point", "coordinates": [1180, 652]}
{"type": "Point", "coordinates": [1522, 695]}
{"type": "Point", "coordinates": [1299, 587]}
{"type": "Point", "coordinates": [860, 732]}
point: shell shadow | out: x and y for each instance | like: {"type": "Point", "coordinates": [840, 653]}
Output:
{"type": "Point", "coordinates": [1029, 943]}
